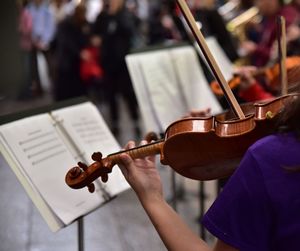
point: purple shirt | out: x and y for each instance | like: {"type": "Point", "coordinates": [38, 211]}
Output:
{"type": "Point", "coordinates": [259, 208]}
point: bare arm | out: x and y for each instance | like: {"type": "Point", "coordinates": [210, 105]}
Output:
{"type": "Point", "coordinates": [172, 230]}
{"type": "Point", "coordinates": [176, 235]}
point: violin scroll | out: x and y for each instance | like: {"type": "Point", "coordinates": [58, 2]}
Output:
{"type": "Point", "coordinates": [83, 175]}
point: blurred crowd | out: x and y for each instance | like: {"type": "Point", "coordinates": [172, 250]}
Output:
{"type": "Point", "coordinates": [87, 57]}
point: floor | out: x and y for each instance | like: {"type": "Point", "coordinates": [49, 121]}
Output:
{"type": "Point", "coordinates": [121, 225]}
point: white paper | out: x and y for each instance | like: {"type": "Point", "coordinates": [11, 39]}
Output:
{"type": "Point", "coordinates": [151, 122]}
{"type": "Point", "coordinates": [165, 92]}
{"type": "Point", "coordinates": [51, 219]}
{"type": "Point", "coordinates": [193, 82]}
{"type": "Point", "coordinates": [89, 131]}
{"type": "Point", "coordinates": [221, 58]}
{"type": "Point", "coordinates": [42, 155]}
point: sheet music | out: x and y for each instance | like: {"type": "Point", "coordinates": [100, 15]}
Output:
{"type": "Point", "coordinates": [219, 55]}
{"type": "Point", "coordinates": [89, 131]}
{"type": "Point", "coordinates": [192, 80]}
{"type": "Point", "coordinates": [44, 159]}
{"type": "Point", "coordinates": [151, 122]}
{"type": "Point", "coordinates": [51, 219]}
{"type": "Point", "coordinates": [164, 90]}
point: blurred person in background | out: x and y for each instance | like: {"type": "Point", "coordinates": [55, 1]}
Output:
{"type": "Point", "coordinates": [91, 72]}
{"type": "Point", "coordinates": [292, 35]}
{"type": "Point", "coordinates": [43, 30]}
{"type": "Point", "coordinates": [60, 10]}
{"type": "Point", "coordinates": [162, 25]}
{"type": "Point", "coordinates": [115, 26]}
{"type": "Point", "coordinates": [293, 32]}
{"type": "Point", "coordinates": [71, 38]}
{"type": "Point", "coordinates": [25, 30]}
{"type": "Point", "coordinates": [212, 24]}
{"type": "Point", "coordinates": [262, 36]}
{"type": "Point", "coordinates": [138, 39]}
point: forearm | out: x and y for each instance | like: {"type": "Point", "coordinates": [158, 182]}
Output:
{"type": "Point", "coordinates": [175, 234]}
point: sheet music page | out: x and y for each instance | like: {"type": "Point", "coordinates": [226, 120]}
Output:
{"type": "Point", "coordinates": [149, 117]}
{"type": "Point", "coordinates": [164, 90]}
{"type": "Point", "coordinates": [193, 82]}
{"type": "Point", "coordinates": [44, 158]}
{"type": "Point", "coordinates": [87, 128]}
{"type": "Point", "coordinates": [219, 55]}
{"type": "Point", "coordinates": [51, 219]}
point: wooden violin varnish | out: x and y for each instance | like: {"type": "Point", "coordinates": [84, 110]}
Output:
{"type": "Point", "coordinates": [201, 148]}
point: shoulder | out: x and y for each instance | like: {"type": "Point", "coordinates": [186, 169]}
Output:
{"type": "Point", "coordinates": [271, 155]}
{"type": "Point", "coordinates": [275, 143]}
{"type": "Point", "coordinates": [259, 195]}
{"type": "Point", "coordinates": [263, 143]}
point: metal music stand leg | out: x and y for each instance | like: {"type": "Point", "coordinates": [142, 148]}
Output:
{"type": "Point", "coordinates": [202, 198]}
{"type": "Point", "coordinates": [80, 229]}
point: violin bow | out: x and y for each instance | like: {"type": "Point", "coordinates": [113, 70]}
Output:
{"type": "Point", "coordinates": [281, 26]}
{"type": "Point", "coordinates": [210, 59]}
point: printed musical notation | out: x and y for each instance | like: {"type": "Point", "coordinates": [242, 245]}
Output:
{"type": "Point", "coordinates": [44, 158]}
{"type": "Point", "coordinates": [90, 131]}
{"type": "Point", "coordinates": [40, 146]}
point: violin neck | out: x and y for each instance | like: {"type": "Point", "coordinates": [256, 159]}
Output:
{"type": "Point", "coordinates": [139, 152]}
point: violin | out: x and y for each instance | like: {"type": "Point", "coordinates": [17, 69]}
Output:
{"type": "Point", "coordinates": [202, 148]}
{"type": "Point", "coordinates": [186, 141]}
{"type": "Point", "coordinates": [270, 75]}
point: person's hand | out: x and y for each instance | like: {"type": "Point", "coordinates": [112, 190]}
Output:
{"type": "Point", "coordinates": [246, 73]}
{"type": "Point", "coordinates": [142, 175]}
{"type": "Point", "coordinates": [167, 22]}
{"type": "Point", "coordinates": [41, 46]}
{"type": "Point", "coordinates": [199, 113]}
{"type": "Point", "coordinates": [248, 47]}
{"type": "Point", "coordinates": [274, 52]}
{"type": "Point", "coordinates": [293, 33]}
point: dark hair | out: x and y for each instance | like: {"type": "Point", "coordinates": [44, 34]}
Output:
{"type": "Point", "coordinates": [290, 117]}
{"type": "Point", "coordinates": [290, 122]}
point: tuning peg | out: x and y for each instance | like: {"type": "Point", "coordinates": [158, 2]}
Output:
{"type": "Point", "coordinates": [83, 166]}
{"type": "Point", "coordinates": [91, 187]}
{"type": "Point", "coordinates": [97, 156]}
{"type": "Point", "coordinates": [104, 177]}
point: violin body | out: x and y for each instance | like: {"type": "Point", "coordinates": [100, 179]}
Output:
{"type": "Point", "coordinates": [187, 141]}
{"type": "Point", "coordinates": [203, 148]}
